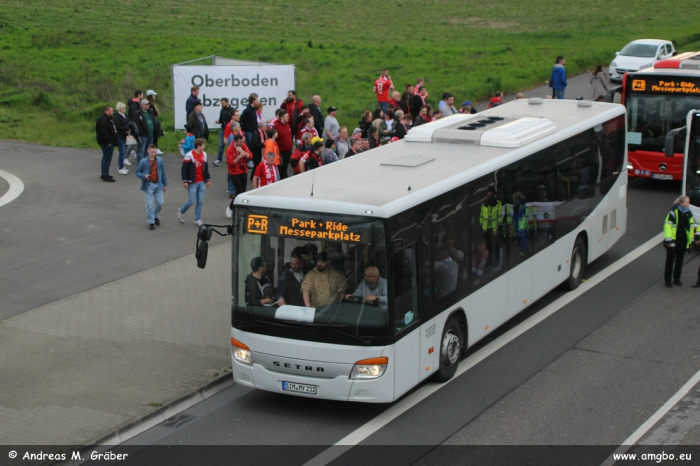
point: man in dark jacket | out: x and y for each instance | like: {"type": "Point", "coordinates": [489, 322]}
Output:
{"type": "Point", "coordinates": [289, 290]}
{"type": "Point", "coordinates": [258, 289]}
{"type": "Point", "coordinates": [224, 118]}
{"type": "Point", "coordinates": [198, 123]}
{"type": "Point", "coordinates": [418, 100]}
{"type": "Point", "coordinates": [315, 109]}
{"type": "Point", "coordinates": [257, 145]}
{"type": "Point", "coordinates": [145, 122]}
{"type": "Point", "coordinates": [106, 134]}
{"type": "Point", "coordinates": [403, 126]}
{"type": "Point", "coordinates": [135, 104]}
{"type": "Point", "coordinates": [191, 100]}
{"type": "Point", "coordinates": [249, 119]}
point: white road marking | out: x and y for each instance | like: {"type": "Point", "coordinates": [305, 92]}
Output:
{"type": "Point", "coordinates": [16, 188]}
{"type": "Point", "coordinates": [425, 391]}
{"type": "Point", "coordinates": [644, 428]}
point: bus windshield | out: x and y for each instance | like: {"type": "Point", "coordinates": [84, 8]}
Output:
{"type": "Point", "coordinates": [651, 117]}
{"type": "Point", "coordinates": [339, 260]}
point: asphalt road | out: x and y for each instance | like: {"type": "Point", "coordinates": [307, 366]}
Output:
{"type": "Point", "coordinates": [69, 232]}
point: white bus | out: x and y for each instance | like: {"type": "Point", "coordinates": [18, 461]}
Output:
{"type": "Point", "coordinates": [413, 210]}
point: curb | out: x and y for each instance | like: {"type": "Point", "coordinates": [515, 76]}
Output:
{"type": "Point", "coordinates": [131, 429]}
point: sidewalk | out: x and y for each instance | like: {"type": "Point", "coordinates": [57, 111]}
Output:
{"type": "Point", "coordinates": [78, 369]}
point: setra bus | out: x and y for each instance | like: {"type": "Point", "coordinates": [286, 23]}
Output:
{"type": "Point", "coordinates": [658, 100]}
{"type": "Point", "coordinates": [413, 209]}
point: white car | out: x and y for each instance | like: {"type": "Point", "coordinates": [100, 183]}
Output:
{"type": "Point", "coordinates": [638, 55]}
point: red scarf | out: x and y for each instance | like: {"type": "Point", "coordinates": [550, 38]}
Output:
{"type": "Point", "coordinates": [271, 174]}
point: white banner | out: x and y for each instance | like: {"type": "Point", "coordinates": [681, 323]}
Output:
{"type": "Point", "coordinates": [270, 82]}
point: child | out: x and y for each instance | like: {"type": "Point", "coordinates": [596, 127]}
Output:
{"type": "Point", "coordinates": [186, 145]}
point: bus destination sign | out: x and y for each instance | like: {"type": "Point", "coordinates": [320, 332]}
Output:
{"type": "Point", "coordinates": [312, 229]}
{"type": "Point", "coordinates": [664, 85]}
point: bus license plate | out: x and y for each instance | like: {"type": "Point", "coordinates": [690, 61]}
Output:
{"type": "Point", "coordinates": [299, 387]}
{"type": "Point", "coordinates": [659, 176]}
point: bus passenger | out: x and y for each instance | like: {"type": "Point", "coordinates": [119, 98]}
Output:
{"type": "Point", "coordinates": [480, 255]}
{"type": "Point", "coordinates": [372, 288]}
{"type": "Point", "coordinates": [446, 274]}
{"type": "Point", "coordinates": [309, 253]}
{"type": "Point", "coordinates": [490, 217]}
{"type": "Point", "coordinates": [258, 289]}
{"type": "Point", "coordinates": [323, 285]}
{"type": "Point", "coordinates": [521, 215]}
{"type": "Point", "coordinates": [289, 291]}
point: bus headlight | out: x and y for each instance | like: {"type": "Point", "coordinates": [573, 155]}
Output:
{"type": "Point", "coordinates": [241, 352]}
{"type": "Point", "coordinates": [371, 368]}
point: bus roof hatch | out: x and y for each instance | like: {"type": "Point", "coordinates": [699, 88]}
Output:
{"type": "Point", "coordinates": [495, 131]}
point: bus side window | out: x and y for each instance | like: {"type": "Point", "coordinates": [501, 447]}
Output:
{"type": "Point", "coordinates": [405, 287]}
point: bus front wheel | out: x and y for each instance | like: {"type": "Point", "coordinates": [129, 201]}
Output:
{"type": "Point", "coordinates": [578, 265]}
{"type": "Point", "coordinates": [450, 350]}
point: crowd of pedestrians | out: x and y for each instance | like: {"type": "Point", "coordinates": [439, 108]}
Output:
{"type": "Point", "coordinates": [299, 138]}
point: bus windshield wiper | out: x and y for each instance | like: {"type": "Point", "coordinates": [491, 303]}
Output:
{"type": "Point", "coordinates": [336, 328]}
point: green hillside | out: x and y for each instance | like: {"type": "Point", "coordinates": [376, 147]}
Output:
{"type": "Point", "coordinates": [60, 62]}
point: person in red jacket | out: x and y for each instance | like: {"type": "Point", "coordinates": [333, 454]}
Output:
{"type": "Point", "coordinates": [496, 100]}
{"type": "Point", "coordinates": [382, 86]}
{"type": "Point", "coordinates": [228, 132]}
{"type": "Point", "coordinates": [292, 105]}
{"type": "Point", "coordinates": [395, 98]}
{"type": "Point", "coordinates": [266, 172]}
{"type": "Point", "coordinates": [285, 142]}
{"type": "Point", "coordinates": [237, 156]}
{"type": "Point", "coordinates": [307, 127]}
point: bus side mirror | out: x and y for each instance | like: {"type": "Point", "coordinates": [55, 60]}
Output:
{"type": "Point", "coordinates": [204, 233]}
{"type": "Point", "coordinates": [202, 249]}
{"type": "Point", "coordinates": [201, 254]}
{"type": "Point", "coordinates": [671, 139]}
{"type": "Point", "coordinates": [610, 95]}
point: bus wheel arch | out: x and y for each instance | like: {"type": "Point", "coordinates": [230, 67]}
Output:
{"type": "Point", "coordinates": [452, 345]}
{"type": "Point", "coordinates": [578, 262]}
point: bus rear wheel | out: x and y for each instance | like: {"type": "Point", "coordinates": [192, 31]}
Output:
{"type": "Point", "coordinates": [578, 265]}
{"type": "Point", "coordinates": [450, 350]}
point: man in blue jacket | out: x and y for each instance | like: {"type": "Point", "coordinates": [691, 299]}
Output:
{"type": "Point", "coordinates": [154, 183]}
{"type": "Point", "coordinates": [558, 79]}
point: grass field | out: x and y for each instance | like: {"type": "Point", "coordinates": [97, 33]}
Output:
{"type": "Point", "coordinates": [60, 62]}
